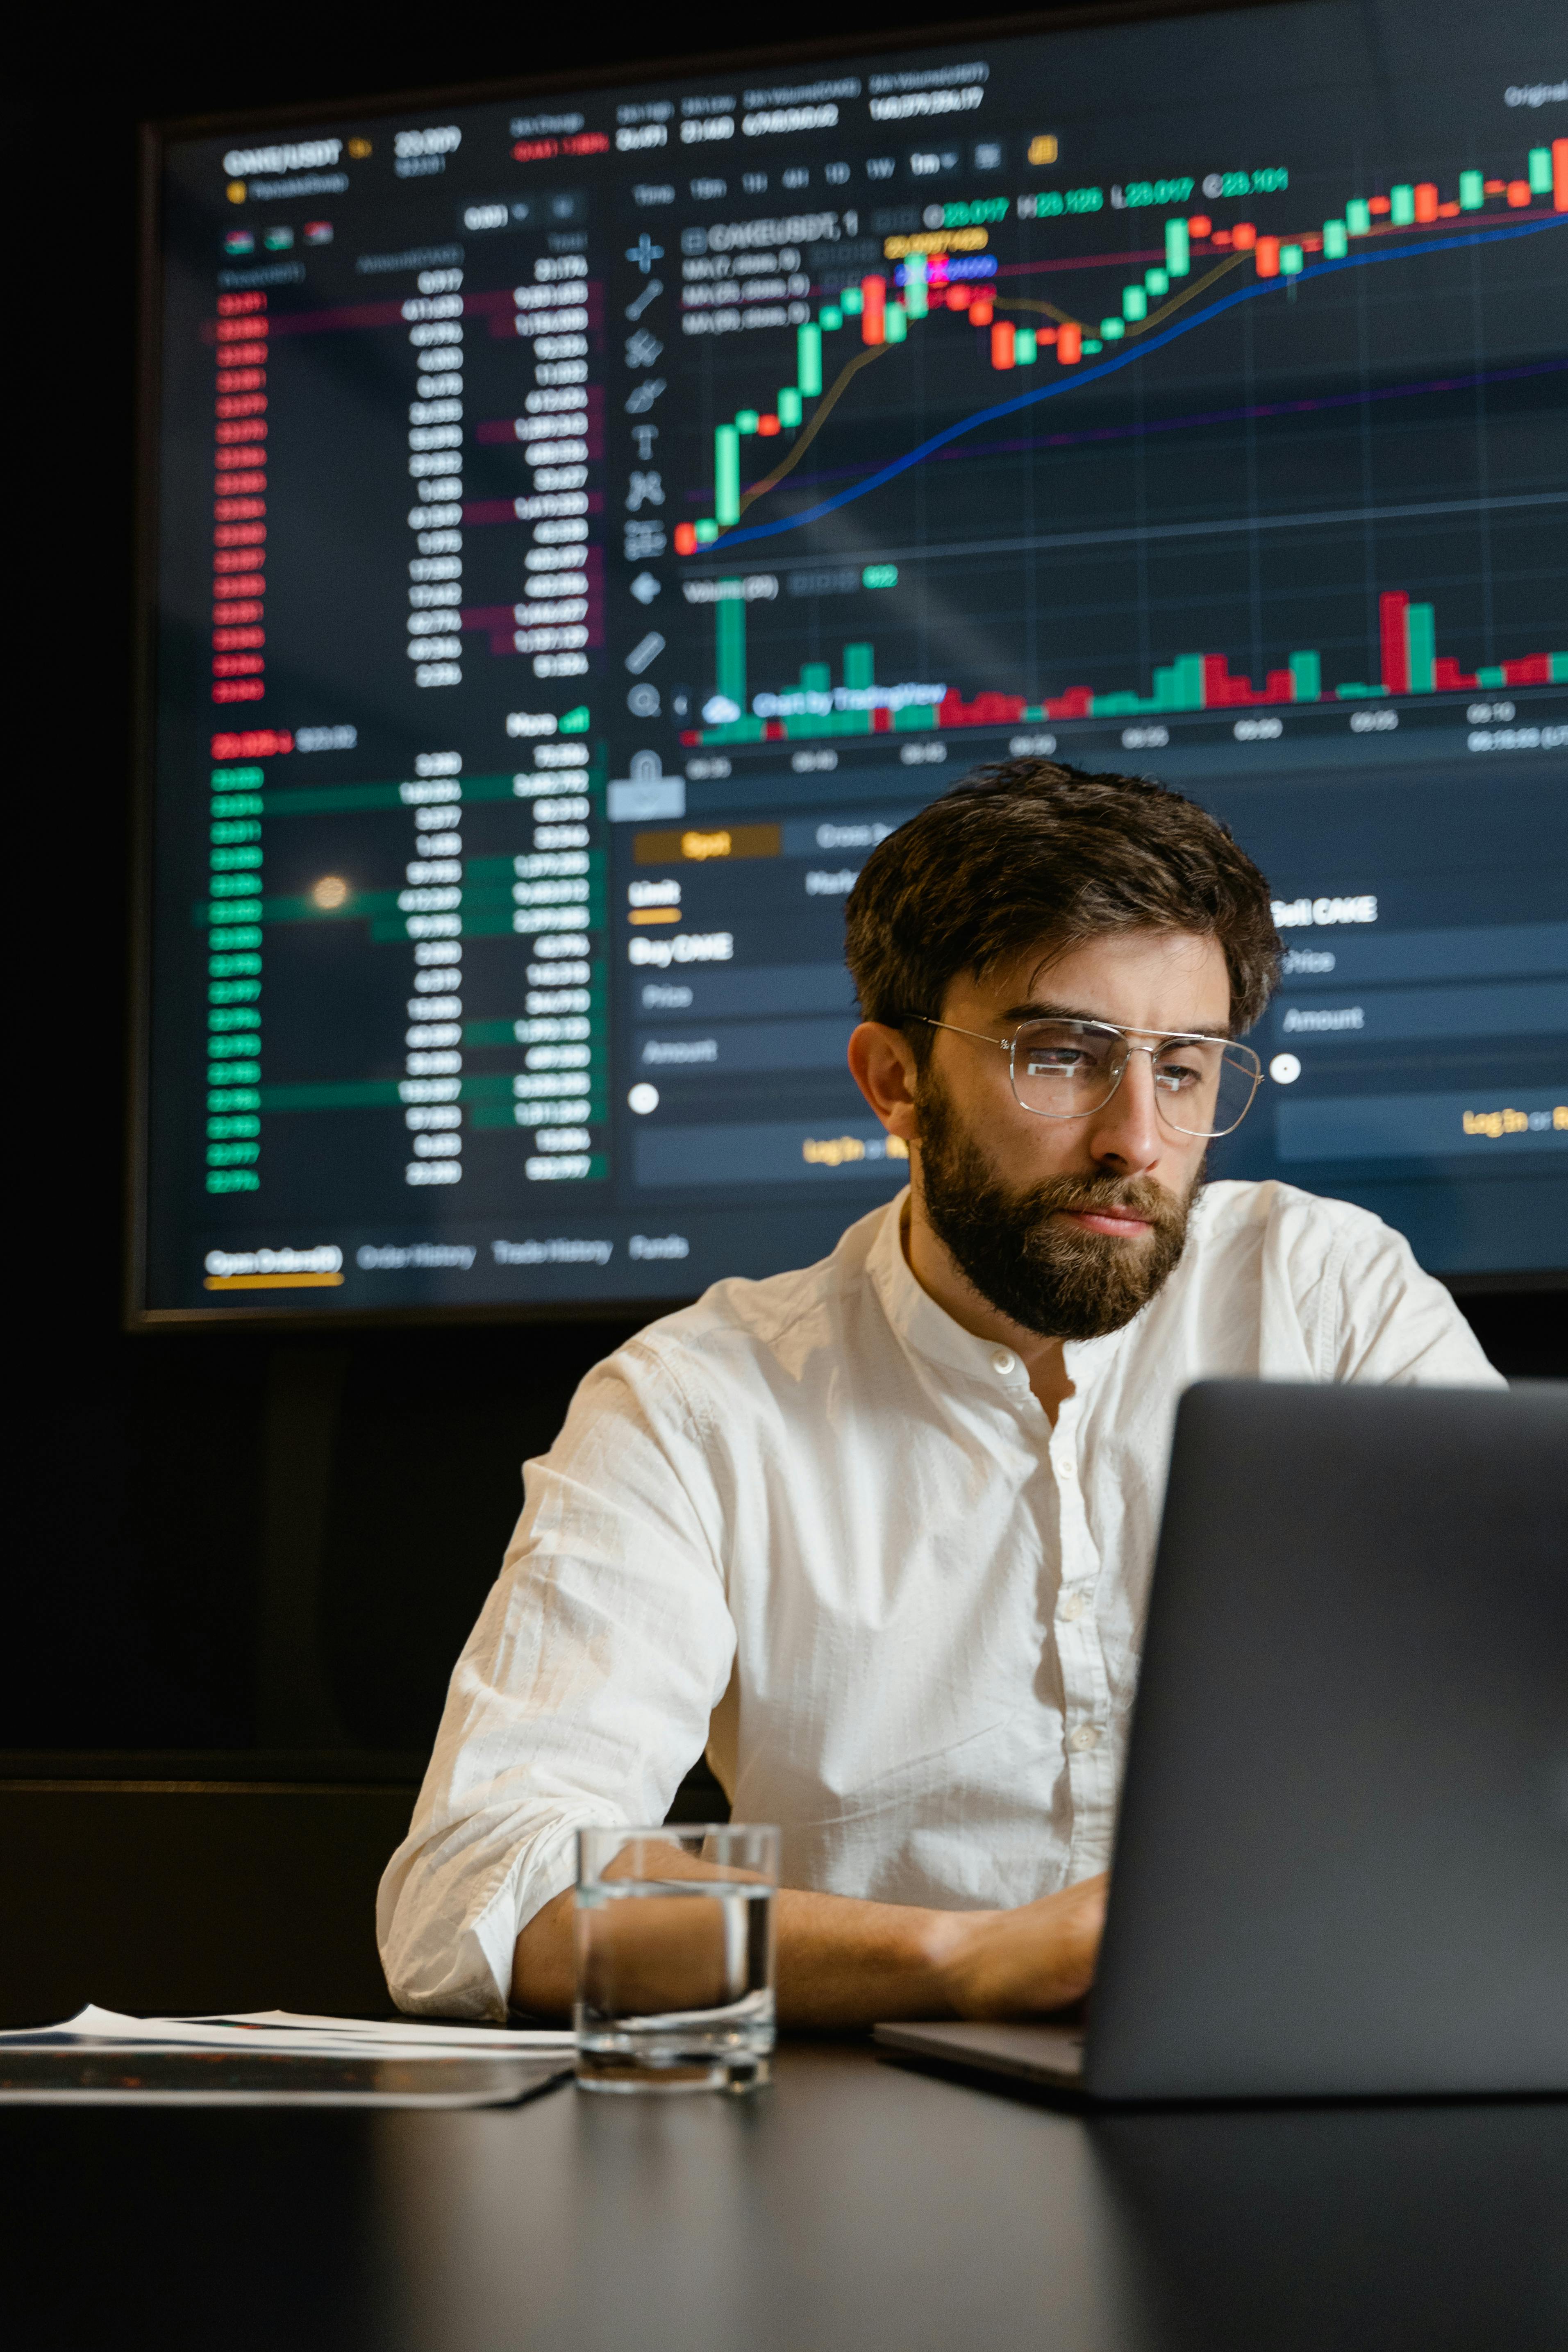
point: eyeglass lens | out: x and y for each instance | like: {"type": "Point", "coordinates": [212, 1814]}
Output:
{"type": "Point", "coordinates": [1062, 1069]}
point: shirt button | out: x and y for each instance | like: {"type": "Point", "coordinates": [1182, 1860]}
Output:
{"type": "Point", "coordinates": [1074, 1606]}
{"type": "Point", "coordinates": [1002, 1360]}
{"type": "Point", "coordinates": [1066, 1469]}
{"type": "Point", "coordinates": [1084, 1737]}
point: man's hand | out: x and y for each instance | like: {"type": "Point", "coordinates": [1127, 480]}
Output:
{"type": "Point", "coordinates": [1023, 1963]}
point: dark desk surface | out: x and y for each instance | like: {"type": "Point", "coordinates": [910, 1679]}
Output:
{"type": "Point", "coordinates": [854, 2204]}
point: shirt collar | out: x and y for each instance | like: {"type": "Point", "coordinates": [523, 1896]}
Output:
{"type": "Point", "coordinates": [929, 1331]}
{"type": "Point", "coordinates": [926, 1329]}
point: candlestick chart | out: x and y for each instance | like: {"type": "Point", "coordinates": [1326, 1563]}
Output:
{"type": "Point", "coordinates": [773, 486]}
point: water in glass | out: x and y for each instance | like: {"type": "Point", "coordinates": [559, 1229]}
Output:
{"type": "Point", "coordinates": [674, 1973]}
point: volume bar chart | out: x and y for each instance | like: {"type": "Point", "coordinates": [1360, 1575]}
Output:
{"type": "Point", "coordinates": [1192, 682]}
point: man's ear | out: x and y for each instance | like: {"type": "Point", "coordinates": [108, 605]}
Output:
{"type": "Point", "coordinates": [882, 1065]}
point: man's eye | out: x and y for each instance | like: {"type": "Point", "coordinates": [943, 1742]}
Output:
{"type": "Point", "coordinates": [1177, 1075]}
{"type": "Point", "coordinates": [1044, 1060]}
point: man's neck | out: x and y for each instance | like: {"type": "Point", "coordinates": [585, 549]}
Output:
{"type": "Point", "coordinates": [931, 1263]}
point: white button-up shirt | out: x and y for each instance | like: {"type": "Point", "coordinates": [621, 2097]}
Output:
{"type": "Point", "coordinates": [816, 1527]}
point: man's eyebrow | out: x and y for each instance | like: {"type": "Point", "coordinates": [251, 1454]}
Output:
{"type": "Point", "coordinates": [1035, 1011]}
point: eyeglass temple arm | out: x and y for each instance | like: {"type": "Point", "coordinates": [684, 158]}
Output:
{"type": "Point", "coordinates": [1004, 1045]}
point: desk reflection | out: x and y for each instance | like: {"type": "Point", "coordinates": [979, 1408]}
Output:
{"type": "Point", "coordinates": [1440, 2229]}
{"type": "Point", "coordinates": [855, 2207]}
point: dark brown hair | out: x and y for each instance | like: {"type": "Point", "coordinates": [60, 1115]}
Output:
{"type": "Point", "coordinates": [1031, 851]}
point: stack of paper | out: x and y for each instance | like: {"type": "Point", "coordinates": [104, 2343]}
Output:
{"type": "Point", "coordinates": [281, 2029]}
{"type": "Point", "coordinates": [273, 2056]}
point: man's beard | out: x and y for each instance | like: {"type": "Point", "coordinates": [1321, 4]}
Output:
{"type": "Point", "coordinates": [1059, 1280]}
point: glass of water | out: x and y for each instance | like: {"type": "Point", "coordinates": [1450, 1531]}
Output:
{"type": "Point", "coordinates": [675, 1957]}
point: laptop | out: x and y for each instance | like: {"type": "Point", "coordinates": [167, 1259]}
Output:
{"type": "Point", "coordinates": [1341, 1859]}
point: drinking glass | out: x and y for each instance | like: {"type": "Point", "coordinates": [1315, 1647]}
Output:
{"type": "Point", "coordinates": [675, 1957]}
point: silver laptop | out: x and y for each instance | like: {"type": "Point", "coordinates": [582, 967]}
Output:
{"type": "Point", "coordinates": [1342, 1860]}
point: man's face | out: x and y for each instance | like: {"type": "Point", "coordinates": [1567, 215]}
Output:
{"type": "Point", "coordinates": [1067, 1227]}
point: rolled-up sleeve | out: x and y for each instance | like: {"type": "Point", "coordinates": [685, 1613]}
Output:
{"type": "Point", "coordinates": [583, 1694]}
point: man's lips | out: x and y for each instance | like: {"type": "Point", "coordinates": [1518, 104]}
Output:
{"type": "Point", "coordinates": [1118, 1222]}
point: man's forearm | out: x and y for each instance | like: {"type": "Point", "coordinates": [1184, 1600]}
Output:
{"type": "Point", "coordinates": [842, 1962]}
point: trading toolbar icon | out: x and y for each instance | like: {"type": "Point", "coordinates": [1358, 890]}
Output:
{"type": "Point", "coordinates": [645, 653]}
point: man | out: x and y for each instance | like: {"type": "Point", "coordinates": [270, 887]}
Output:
{"type": "Point", "coordinates": [879, 1533]}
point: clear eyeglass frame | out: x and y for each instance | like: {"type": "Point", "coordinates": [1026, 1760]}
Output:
{"type": "Point", "coordinates": [1242, 1063]}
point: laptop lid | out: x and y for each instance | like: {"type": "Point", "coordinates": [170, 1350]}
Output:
{"type": "Point", "coordinates": [1341, 1861]}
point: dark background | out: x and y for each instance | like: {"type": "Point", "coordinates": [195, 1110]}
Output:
{"type": "Point", "coordinates": [193, 1514]}
{"type": "Point", "coordinates": [233, 1558]}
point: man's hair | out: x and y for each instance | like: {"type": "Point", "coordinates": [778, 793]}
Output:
{"type": "Point", "coordinates": [1031, 852]}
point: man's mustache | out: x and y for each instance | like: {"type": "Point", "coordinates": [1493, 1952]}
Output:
{"type": "Point", "coordinates": [1128, 1196]}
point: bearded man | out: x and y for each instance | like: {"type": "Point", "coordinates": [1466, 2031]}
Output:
{"type": "Point", "coordinates": [877, 1535]}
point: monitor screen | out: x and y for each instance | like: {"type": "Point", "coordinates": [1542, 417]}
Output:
{"type": "Point", "coordinates": [586, 523]}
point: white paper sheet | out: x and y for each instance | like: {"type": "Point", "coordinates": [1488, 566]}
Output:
{"type": "Point", "coordinates": [279, 2032]}
{"type": "Point", "coordinates": [402, 2033]}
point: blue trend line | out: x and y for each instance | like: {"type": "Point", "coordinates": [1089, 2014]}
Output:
{"type": "Point", "coordinates": [739, 538]}
{"type": "Point", "coordinates": [1309, 403]}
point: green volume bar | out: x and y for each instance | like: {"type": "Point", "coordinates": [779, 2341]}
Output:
{"type": "Point", "coordinates": [1420, 636]}
{"type": "Point", "coordinates": [1307, 670]}
{"type": "Point", "coordinates": [1187, 679]}
{"type": "Point", "coordinates": [1178, 252]}
{"type": "Point", "coordinates": [726, 475]}
{"type": "Point", "coordinates": [730, 661]}
{"type": "Point", "coordinates": [859, 668]}
{"type": "Point", "coordinates": [808, 361]}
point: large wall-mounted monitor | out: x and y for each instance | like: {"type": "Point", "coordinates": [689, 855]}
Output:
{"type": "Point", "coordinates": [585, 522]}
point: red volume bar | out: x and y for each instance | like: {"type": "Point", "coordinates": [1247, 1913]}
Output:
{"type": "Point", "coordinates": [1393, 641]}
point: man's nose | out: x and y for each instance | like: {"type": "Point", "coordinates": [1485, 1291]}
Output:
{"type": "Point", "coordinates": [1125, 1133]}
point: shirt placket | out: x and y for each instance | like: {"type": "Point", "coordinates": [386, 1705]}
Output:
{"type": "Point", "coordinates": [1085, 1689]}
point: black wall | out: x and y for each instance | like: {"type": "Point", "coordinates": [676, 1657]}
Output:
{"type": "Point", "coordinates": [226, 1543]}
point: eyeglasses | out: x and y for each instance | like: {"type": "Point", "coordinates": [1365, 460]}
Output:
{"type": "Point", "coordinates": [1070, 1069]}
